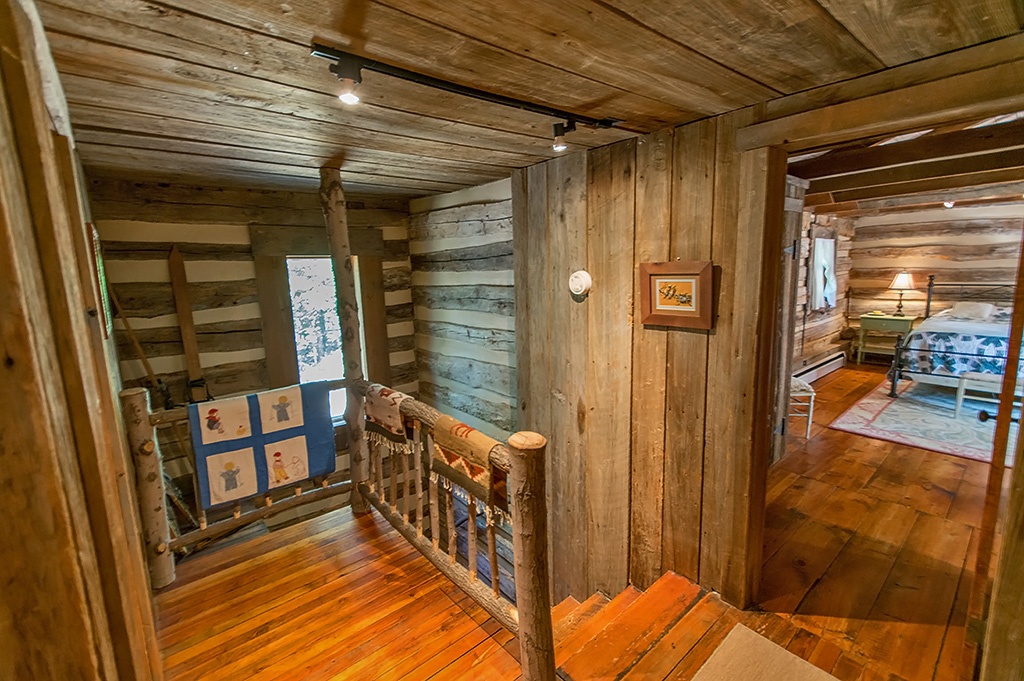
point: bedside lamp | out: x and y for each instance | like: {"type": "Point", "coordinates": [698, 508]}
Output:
{"type": "Point", "coordinates": [901, 282]}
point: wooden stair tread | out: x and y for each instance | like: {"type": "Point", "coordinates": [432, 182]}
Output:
{"type": "Point", "coordinates": [627, 638]}
{"type": "Point", "coordinates": [564, 608]}
{"type": "Point", "coordinates": [593, 626]}
{"type": "Point", "coordinates": [580, 614]}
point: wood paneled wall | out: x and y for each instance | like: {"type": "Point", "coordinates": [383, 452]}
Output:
{"type": "Point", "coordinates": [817, 331]}
{"type": "Point", "coordinates": [465, 310]}
{"type": "Point", "coordinates": [657, 447]}
{"type": "Point", "coordinates": [959, 244]}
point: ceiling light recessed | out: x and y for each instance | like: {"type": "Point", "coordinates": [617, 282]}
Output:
{"type": "Point", "coordinates": [949, 204]}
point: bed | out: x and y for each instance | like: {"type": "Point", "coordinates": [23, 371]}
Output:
{"type": "Point", "coordinates": [972, 336]}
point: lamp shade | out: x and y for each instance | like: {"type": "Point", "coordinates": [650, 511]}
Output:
{"type": "Point", "coordinates": [902, 281]}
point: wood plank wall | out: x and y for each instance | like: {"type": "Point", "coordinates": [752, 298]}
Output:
{"type": "Point", "coordinates": [817, 331]}
{"type": "Point", "coordinates": [465, 307]}
{"type": "Point", "coordinates": [139, 221]}
{"type": "Point", "coordinates": [656, 440]}
{"type": "Point", "coordinates": [959, 244]}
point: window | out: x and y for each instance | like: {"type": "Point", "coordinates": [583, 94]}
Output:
{"type": "Point", "coordinates": [314, 305]}
{"type": "Point", "coordinates": [823, 275]}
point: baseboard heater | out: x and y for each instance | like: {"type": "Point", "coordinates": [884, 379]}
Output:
{"type": "Point", "coordinates": [823, 367]}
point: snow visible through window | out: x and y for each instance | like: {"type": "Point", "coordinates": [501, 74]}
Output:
{"type": "Point", "coordinates": [317, 326]}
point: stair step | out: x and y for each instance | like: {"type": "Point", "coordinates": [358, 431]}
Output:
{"type": "Point", "coordinates": [626, 639]}
{"type": "Point", "coordinates": [564, 608]}
{"type": "Point", "coordinates": [583, 612]}
{"type": "Point", "coordinates": [593, 626]}
{"type": "Point", "coordinates": [680, 640]}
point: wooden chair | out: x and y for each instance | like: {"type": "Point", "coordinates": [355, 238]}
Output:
{"type": "Point", "coordinates": [801, 402]}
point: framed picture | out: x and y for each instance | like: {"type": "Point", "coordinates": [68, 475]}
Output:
{"type": "Point", "coordinates": [676, 294]}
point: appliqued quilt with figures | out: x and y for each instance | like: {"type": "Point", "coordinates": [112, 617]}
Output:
{"type": "Point", "coordinates": [248, 445]}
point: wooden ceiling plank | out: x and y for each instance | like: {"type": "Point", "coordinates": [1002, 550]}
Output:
{"type": "Point", "coordinates": [156, 142]}
{"type": "Point", "coordinates": [965, 165]}
{"type": "Point", "coordinates": [790, 45]}
{"type": "Point", "coordinates": [93, 155]}
{"type": "Point", "coordinates": [193, 39]}
{"type": "Point", "coordinates": [972, 141]}
{"type": "Point", "coordinates": [590, 39]}
{"type": "Point", "coordinates": [82, 56]}
{"type": "Point", "coordinates": [931, 185]}
{"type": "Point", "coordinates": [991, 91]}
{"type": "Point", "coordinates": [380, 32]}
{"type": "Point", "coordinates": [900, 32]}
{"type": "Point", "coordinates": [87, 94]}
{"type": "Point", "coordinates": [181, 107]}
{"type": "Point", "coordinates": [974, 58]}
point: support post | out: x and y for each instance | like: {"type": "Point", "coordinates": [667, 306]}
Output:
{"type": "Point", "coordinates": [894, 376]}
{"type": "Point", "coordinates": [149, 479]}
{"type": "Point", "coordinates": [530, 550]}
{"type": "Point", "coordinates": [332, 199]}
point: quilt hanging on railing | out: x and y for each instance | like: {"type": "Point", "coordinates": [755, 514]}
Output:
{"type": "Point", "coordinates": [252, 444]}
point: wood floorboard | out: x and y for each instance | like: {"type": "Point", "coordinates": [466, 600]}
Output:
{"type": "Point", "coordinates": [879, 566]}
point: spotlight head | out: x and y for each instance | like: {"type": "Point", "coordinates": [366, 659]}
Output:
{"type": "Point", "coordinates": [558, 131]}
{"type": "Point", "coordinates": [348, 92]}
{"type": "Point", "coordinates": [349, 72]}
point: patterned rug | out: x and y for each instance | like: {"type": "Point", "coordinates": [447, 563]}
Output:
{"type": "Point", "coordinates": [922, 416]}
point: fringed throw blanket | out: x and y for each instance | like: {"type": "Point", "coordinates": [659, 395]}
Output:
{"type": "Point", "coordinates": [458, 454]}
{"type": "Point", "coordinates": [384, 423]}
{"type": "Point", "coordinates": [248, 445]}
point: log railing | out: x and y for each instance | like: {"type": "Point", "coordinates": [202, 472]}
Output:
{"type": "Point", "coordinates": [411, 496]}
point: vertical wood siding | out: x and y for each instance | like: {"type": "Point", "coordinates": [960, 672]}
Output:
{"type": "Point", "coordinates": [464, 307]}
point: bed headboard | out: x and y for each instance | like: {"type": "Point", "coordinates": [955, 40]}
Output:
{"type": "Point", "coordinates": [984, 291]}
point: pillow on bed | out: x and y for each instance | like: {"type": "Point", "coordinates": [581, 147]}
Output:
{"type": "Point", "coordinates": [1001, 315]}
{"type": "Point", "coordinates": [974, 311]}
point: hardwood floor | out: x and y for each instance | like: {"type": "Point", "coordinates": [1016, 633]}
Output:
{"type": "Point", "coordinates": [870, 544]}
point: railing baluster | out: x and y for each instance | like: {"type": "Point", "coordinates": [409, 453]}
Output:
{"type": "Point", "coordinates": [471, 536]}
{"type": "Point", "coordinates": [492, 550]}
{"type": "Point", "coordinates": [404, 456]}
{"type": "Point", "coordinates": [417, 462]}
{"type": "Point", "coordinates": [393, 478]}
{"type": "Point", "coordinates": [453, 537]}
{"type": "Point", "coordinates": [435, 523]}
{"type": "Point", "coordinates": [379, 468]}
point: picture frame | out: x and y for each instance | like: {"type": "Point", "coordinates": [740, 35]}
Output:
{"type": "Point", "coordinates": [677, 294]}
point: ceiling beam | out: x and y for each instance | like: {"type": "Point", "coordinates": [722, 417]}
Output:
{"type": "Point", "coordinates": [949, 145]}
{"type": "Point", "coordinates": [955, 182]}
{"type": "Point", "coordinates": [949, 167]}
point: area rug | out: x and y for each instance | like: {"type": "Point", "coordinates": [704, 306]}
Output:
{"type": "Point", "coordinates": [922, 416]}
{"type": "Point", "coordinates": [746, 655]}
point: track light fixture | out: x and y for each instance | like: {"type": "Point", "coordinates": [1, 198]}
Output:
{"type": "Point", "coordinates": [350, 73]}
{"type": "Point", "coordinates": [558, 131]}
{"type": "Point", "coordinates": [348, 68]}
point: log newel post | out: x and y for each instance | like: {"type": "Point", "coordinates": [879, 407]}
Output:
{"type": "Point", "coordinates": [530, 549]}
{"type": "Point", "coordinates": [332, 199]}
{"type": "Point", "coordinates": [149, 480]}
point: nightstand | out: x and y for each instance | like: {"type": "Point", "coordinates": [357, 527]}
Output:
{"type": "Point", "coordinates": [874, 323]}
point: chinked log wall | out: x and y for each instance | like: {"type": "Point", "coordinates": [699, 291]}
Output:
{"type": "Point", "coordinates": [961, 244]}
{"type": "Point", "coordinates": [465, 306]}
{"type": "Point", "coordinates": [138, 222]}
{"type": "Point", "coordinates": [656, 440]}
{"type": "Point", "coordinates": [818, 331]}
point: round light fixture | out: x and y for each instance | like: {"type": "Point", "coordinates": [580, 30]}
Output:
{"type": "Point", "coordinates": [580, 283]}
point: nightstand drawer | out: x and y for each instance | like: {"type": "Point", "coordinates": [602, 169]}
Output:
{"type": "Point", "coordinates": [903, 324]}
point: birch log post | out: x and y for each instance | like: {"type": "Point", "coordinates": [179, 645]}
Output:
{"type": "Point", "coordinates": [332, 199]}
{"type": "Point", "coordinates": [526, 487]}
{"type": "Point", "coordinates": [149, 479]}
